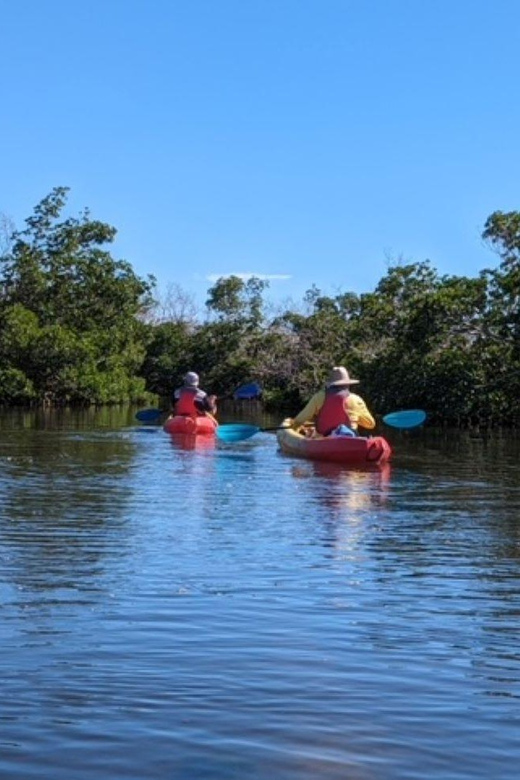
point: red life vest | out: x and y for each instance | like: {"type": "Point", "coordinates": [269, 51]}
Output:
{"type": "Point", "coordinates": [185, 403]}
{"type": "Point", "coordinates": [333, 411]}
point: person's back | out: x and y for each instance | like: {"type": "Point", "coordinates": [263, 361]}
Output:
{"type": "Point", "coordinates": [334, 412]}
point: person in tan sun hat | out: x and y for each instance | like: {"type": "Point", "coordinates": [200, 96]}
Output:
{"type": "Point", "coordinates": [336, 406]}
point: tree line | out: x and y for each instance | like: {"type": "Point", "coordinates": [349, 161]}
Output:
{"type": "Point", "coordinates": [79, 327]}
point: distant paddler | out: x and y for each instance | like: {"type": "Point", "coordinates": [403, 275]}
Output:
{"type": "Point", "coordinates": [191, 401]}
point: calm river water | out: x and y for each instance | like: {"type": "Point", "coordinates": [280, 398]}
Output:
{"type": "Point", "coordinates": [230, 612]}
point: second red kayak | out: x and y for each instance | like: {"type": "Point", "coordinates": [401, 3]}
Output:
{"type": "Point", "coordinates": [355, 451]}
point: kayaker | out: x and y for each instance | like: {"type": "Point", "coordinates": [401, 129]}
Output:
{"type": "Point", "coordinates": [336, 406]}
{"type": "Point", "coordinates": [190, 400]}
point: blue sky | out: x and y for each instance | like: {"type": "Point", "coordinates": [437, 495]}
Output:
{"type": "Point", "coordinates": [304, 139]}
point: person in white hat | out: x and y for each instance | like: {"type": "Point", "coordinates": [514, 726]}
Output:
{"type": "Point", "coordinates": [189, 400]}
{"type": "Point", "coordinates": [336, 406]}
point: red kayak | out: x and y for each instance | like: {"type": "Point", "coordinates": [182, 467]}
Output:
{"type": "Point", "coordinates": [203, 425]}
{"type": "Point", "coordinates": [353, 451]}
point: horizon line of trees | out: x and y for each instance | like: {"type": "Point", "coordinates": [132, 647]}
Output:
{"type": "Point", "coordinates": [80, 327]}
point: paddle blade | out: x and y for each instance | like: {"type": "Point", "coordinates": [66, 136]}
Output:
{"type": "Point", "coordinates": [148, 415]}
{"type": "Point", "coordinates": [410, 418]}
{"type": "Point", "coordinates": [236, 432]}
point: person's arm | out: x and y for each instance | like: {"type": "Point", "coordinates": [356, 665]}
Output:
{"type": "Point", "coordinates": [310, 411]}
{"type": "Point", "coordinates": [358, 412]}
{"type": "Point", "coordinates": [206, 403]}
{"type": "Point", "coordinates": [212, 403]}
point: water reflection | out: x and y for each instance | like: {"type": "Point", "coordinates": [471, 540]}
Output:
{"type": "Point", "coordinates": [63, 500]}
{"type": "Point", "coordinates": [112, 417]}
{"type": "Point", "coordinates": [186, 441]}
{"type": "Point", "coordinates": [350, 503]}
{"type": "Point", "coordinates": [170, 610]}
{"type": "Point", "coordinates": [345, 492]}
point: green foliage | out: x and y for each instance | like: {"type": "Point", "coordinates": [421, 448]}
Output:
{"type": "Point", "coordinates": [418, 340]}
{"type": "Point", "coordinates": [169, 356]}
{"type": "Point", "coordinates": [15, 386]}
{"type": "Point", "coordinates": [73, 329]}
{"type": "Point", "coordinates": [69, 327]}
{"type": "Point", "coordinates": [502, 230]}
{"type": "Point", "coordinates": [234, 300]}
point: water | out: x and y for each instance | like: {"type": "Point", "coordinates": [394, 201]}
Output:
{"type": "Point", "coordinates": [230, 612]}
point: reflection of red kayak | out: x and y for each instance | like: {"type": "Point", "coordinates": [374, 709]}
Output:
{"type": "Point", "coordinates": [188, 441]}
{"type": "Point", "coordinates": [354, 451]}
{"type": "Point", "coordinates": [195, 426]}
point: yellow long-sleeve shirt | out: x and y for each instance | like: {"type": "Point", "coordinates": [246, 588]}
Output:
{"type": "Point", "coordinates": [354, 404]}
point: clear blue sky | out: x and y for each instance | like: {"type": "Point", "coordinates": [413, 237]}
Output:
{"type": "Point", "coordinates": [309, 139]}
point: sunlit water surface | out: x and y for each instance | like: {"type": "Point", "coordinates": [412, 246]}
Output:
{"type": "Point", "coordinates": [228, 612]}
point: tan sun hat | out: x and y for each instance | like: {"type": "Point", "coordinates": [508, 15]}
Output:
{"type": "Point", "coordinates": [340, 376]}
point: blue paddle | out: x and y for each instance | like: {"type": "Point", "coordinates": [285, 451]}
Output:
{"type": "Point", "coordinates": [233, 432]}
{"type": "Point", "coordinates": [411, 418]}
{"type": "Point", "coordinates": [240, 431]}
